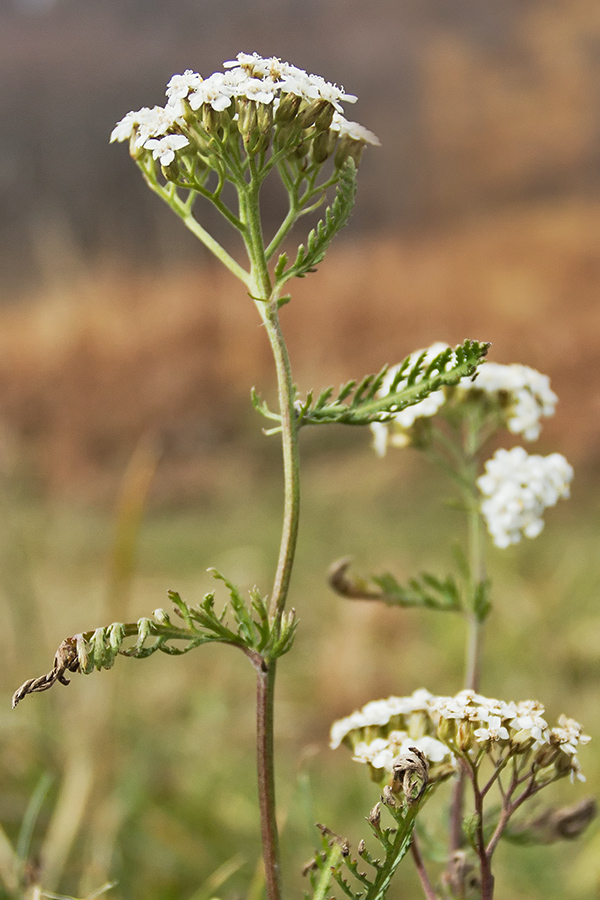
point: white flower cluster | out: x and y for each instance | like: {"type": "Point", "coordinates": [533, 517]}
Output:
{"type": "Point", "coordinates": [384, 729]}
{"type": "Point", "coordinates": [396, 433]}
{"type": "Point", "coordinates": [466, 723]}
{"type": "Point", "coordinates": [250, 77]}
{"type": "Point", "coordinates": [521, 395]}
{"type": "Point", "coordinates": [517, 488]}
{"type": "Point", "coordinates": [528, 393]}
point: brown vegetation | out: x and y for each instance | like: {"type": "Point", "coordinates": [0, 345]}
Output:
{"type": "Point", "coordinates": [97, 359]}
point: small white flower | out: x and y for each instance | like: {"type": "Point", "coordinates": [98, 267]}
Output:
{"type": "Point", "coordinates": [530, 727]}
{"type": "Point", "coordinates": [517, 488]}
{"type": "Point", "coordinates": [378, 753]}
{"type": "Point", "coordinates": [164, 148]}
{"type": "Point", "coordinates": [494, 731]}
{"type": "Point", "coordinates": [127, 126]}
{"type": "Point", "coordinates": [332, 93]}
{"type": "Point", "coordinates": [261, 90]}
{"type": "Point", "coordinates": [354, 131]}
{"type": "Point", "coordinates": [145, 123]}
{"type": "Point", "coordinates": [215, 91]}
{"type": "Point", "coordinates": [180, 86]}
{"type": "Point", "coordinates": [568, 733]}
{"type": "Point", "coordinates": [255, 65]}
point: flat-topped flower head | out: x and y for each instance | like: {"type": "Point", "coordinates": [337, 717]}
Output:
{"type": "Point", "coordinates": [516, 489]}
{"type": "Point", "coordinates": [202, 110]}
{"type": "Point", "coordinates": [443, 727]}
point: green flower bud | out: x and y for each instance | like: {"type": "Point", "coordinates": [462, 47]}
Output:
{"type": "Point", "coordinates": [247, 122]}
{"type": "Point", "coordinates": [446, 731]}
{"type": "Point", "coordinates": [86, 664]}
{"type": "Point", "coordinates": [348, 148]}
{"type": "Point", "coordinates": [322, 146]}
{"type": "Point", "coordinates": [522, 741]}
{"type": "Point", "coordinates": [264, 118]}
{"type": "Point", "coordinates": [318, 113]}
{"type": "Point", "coordinates": [287, 109]}
{"type": "Point", "coordinates": [161, 616]}
{"type": "Point", "coordinates": [211, 119]}
{"type": "Point", "coordinates": [564, 764]}
{"type": "Point", "coordinates": [546, 756]}
{"type": "Point", "coordinates": [465, 738]}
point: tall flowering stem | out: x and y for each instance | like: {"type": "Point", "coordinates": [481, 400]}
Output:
{"type": "Point", "coordinates": [259, 116]}
{"type": "Point", "coordinates": [266, 302]}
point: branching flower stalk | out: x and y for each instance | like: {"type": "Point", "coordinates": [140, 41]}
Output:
{"type": "Point", "coordinates": [506, 747]}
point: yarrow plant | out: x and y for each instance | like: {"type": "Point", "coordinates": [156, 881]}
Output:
{"type": "Point", "coordinates": [502, 751]}
{"type": "Point", "coordinates": [217, 140]}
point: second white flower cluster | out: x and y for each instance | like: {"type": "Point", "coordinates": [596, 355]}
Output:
{"type": "Point", "coordinates": [467, 723]}
{"type": "Point", "coordinates": [516, 487]}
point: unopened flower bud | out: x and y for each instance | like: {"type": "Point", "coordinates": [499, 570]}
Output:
{"type": "Point", "coordinates": [324, 116]}
{"type": "Point", "coordinates": [348, 149]}
{"type": "Point", "coordinates": [465, 737]}
{"type": "Point", "coordinates": [288, 108]}
{"type": "Point", "coordinates": [522, 741]}
{"type": "Point", "coordinates": [211, 119]}
{"type": "Point", "coordinates": [323, 145]}
{"type": "Point", "coordinates": [565, 764]}
{"type": "Point", "coordinates": [546, 755]}
{"type": "Point", "coordinates": [318, 113]}
{"type": "Point", "coordinates": [446, 731]}
{"type": "Point", "coordinates": [264, 119]}
{"type": "Point", "coordinates": [85, 663]}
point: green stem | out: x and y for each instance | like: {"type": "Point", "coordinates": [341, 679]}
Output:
{"type": "Point", "coordinates": [183, 210]}
{"type": "Point", "coordinates": [476, 545]}
{"type": "Point", "coordinates": [477, 575]}
{"type": "Point", "coordinates": [266, 303]}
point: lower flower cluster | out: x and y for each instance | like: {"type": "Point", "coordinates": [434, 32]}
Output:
{"type": "Point", "coordinates": [468, 725]}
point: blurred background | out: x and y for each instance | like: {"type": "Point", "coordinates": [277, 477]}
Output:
{"type": "Point", "coordinates": [130, 458]}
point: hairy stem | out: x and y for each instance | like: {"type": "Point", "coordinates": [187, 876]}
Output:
{"type": "Point", "coordinates": [421, 870]}
{"type": "Point", "coordinates": [477, 575]}
{"type": "Point", "coordinates": [266, 303]}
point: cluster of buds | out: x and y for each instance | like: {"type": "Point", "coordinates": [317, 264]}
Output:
{"type": "Point", "coordinates": [218, 123]}
{"type": "Point", "coordinates": [467, 725]}
{"type": "Point", "coordinates": [516, 396]}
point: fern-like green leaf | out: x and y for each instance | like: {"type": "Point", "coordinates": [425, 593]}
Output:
{"type": "Point", "coordinates": [346, 870]}
{"type": "Point", "coordinates": [336, 216]}
{"type": "Point", "coordinates": [426, 591]}
{"type": "Point", "coordinates": [366, 402]}
{"type": "Point", "coordinates": [259, 636]}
